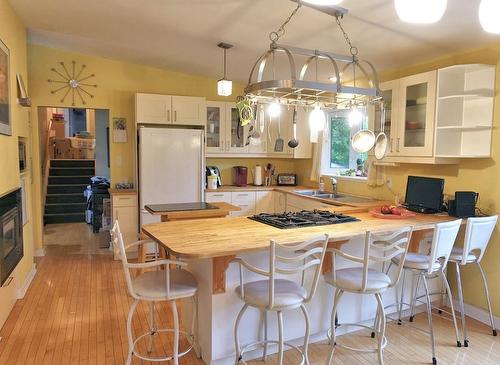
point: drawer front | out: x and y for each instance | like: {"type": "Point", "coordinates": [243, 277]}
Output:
{"type": "Point", "coordinates": [246, 209]}
{"type": "Point", "coordinates": [124, 201]}
{"type": "Point", "coordinates": [243, 197]}
{"type": "Point", "coordinates": [222, 197]}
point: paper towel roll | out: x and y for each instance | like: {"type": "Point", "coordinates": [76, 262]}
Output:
{"type": "Point", "coordinates": [257, 175]}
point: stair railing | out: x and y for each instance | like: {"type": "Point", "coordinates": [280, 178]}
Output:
{"type": "Point", "coordinates": [46, 163]}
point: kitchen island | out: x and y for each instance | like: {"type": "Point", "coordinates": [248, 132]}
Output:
{"type": "Point", "coordinates": [209, 245]}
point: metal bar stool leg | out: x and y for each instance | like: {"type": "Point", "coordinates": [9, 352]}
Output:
{"type": "Point", "coordinates": [450, 297]}
{"type": "Point", "coordinates": [401, 299]}
{"type": "Point", "coordinates": [152, 327]}
{"type": "Point", "coordinates": [338, 295]}
{"type": "Point", "coordinates": [305, 349]}
{"type": "Point", "coordinates": [429, 318]}
{"type": "Point", "coordinates": [487, 292]}
{"type": "Point", "coordinates": [461, 302]}
{"type": "Point", "coordinates": [175, 316]}
{"type": "Point", "coordinates": [194, 327]}
{"type": "Point", "coordinates": [280, 337]}
{"type": "Point", "coordinates": [381, 332]}
{"type": "Point", "coordinates": [414, 298]}
{"type": "Point", "coordinates": [129, 331]}
{"type": "Point", "coordinates": [264, 353]}
{"type": "Point", "coordinates": [236, 338]}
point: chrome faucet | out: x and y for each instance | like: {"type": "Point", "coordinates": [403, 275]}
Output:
{"type": "Point", "coordinates": [334, 185]}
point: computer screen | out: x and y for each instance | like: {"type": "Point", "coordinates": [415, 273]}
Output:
{"type": "Point", "coordinates": [424, 192]}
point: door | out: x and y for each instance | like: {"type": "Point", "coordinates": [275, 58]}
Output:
{"type": "Point", "coordinates": [188, 110]}
{"type": "Point", "coordinates": [171, 166]}
{"type": "Point", "coordinates": [416, 115]}
{"type": "Point", "coordinates": [215, 131]}
{"type": "Point", "coordinates": [390, 94]}
{"type": "Point", "coordinates": [153, 108]}
{"type": "Point", "coordinates": [236, 134]}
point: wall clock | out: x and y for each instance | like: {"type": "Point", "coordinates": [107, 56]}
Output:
{"type": "Point", "coordinates": [74, 83]}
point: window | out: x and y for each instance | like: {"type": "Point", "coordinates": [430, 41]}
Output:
{"type": "Point", "coordinates": [339, 158]}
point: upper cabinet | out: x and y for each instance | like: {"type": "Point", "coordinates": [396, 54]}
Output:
{"type": "Point", "coordinates": [440, 116]}
{"type": "Point", "coordinates": [169, 109]}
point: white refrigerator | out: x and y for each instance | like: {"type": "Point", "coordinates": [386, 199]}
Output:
{"type": "Point", "coordinates": [171, 167]}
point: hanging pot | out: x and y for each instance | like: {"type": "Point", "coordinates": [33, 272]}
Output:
{"type": "Point", "coordinates": [381, 140]}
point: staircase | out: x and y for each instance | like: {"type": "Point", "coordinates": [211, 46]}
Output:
{"type": "Point", "coordinates": [67, 181]}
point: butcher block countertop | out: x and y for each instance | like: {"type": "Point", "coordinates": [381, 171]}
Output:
{"type": "Point", "coordinates": [221, 210]}
{"type": "Point", "coordinates": [218, 237]}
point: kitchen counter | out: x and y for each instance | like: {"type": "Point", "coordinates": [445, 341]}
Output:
{"type": "Point", "coordinates": [221, 210]}
{"type": "Point", "coordinates": [114, 191]}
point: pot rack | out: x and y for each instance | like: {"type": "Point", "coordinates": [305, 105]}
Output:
{"type": "Point", "coordinates": [298, 88]}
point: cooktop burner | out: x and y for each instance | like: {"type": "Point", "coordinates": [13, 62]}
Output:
{"type": "Point", "coordinates": [305, 218]}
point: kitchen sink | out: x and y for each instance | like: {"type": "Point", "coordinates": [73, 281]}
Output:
{"type": "Point", "coordinates": [330, 196]}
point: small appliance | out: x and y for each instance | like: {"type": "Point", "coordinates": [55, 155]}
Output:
{"type": "Point", "coordinates": [464, 205]}
{"type": "Point", "coordinates": [305, 218]}
{"type": "Point", "coordinates": [424, 194]}
{"type": "Point", "coordinates": [240, 175]}
{"type": "Point", "coordinates": [213, 171]}
{"type": "Point", "coordinates": [287, 179]}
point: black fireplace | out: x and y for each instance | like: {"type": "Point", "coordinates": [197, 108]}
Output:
{"type": "Point", "coordinates": [11, 233]}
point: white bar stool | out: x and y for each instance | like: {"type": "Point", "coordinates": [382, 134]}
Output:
{"type": "Point", "coordinates": [155, 286]}
{"type": "Point", "coordinates": [379, 248]}
{"type": "Point", "coordinates": [477, 236]}
{"type": "Point", "coordinates": [430, 267]}
{"type": "Point", "coordinates": [278, 294]}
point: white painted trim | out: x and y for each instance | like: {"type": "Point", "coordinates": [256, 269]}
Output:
{"type": "Point", "coordinates": [21, 292]}
{"type": "Point", "coordinates": [479, 314]}
{"type": "Point", "coordinates": [40, 252]}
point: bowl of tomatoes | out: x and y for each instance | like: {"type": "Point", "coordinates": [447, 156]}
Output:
{"type": "Point", "coordinates": [392, 212]}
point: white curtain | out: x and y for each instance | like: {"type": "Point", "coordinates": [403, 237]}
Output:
{"type": "Point", "coordinates": [317, 159]}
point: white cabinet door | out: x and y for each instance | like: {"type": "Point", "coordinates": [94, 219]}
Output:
{"type": "Point", "coordinates": [153, 108]}
{"type": "Point", "coordinates": [264, 202]}
{"type": "Point", "coordinates": [280, 202]}
{"type": "Point", "coordinates": [417, 103]}
{"type": "Point", "coordinates": [216, 127]}
{"type": "Point", "coordinates": [127, 218]}
{"type": "Point", "coordinates": [305, 147]}
{"type": "Point", "coordinates": [236, 135]}
{"type": "Point", "coordinates": [245, 200]}
{"type": "Point", "coordinates": [222, 197]}
{"type": "Point", "coordinates": [280, 126]}
{"type": "Point", "coordinates": [189, 110]}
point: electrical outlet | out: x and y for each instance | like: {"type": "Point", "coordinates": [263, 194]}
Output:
{"type": "Point", "coordinates": [388, 182]}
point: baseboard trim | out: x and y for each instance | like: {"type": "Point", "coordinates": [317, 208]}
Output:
{"type": "Point", "coordinates": [21, 292]}
{"type": "Point", "coordinates": [40, 252]}
{"type": "Point", "coordinates": [479, 314]}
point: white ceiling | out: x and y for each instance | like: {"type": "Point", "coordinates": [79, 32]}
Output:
{"type": "Point", "coordinates": [183, 34]}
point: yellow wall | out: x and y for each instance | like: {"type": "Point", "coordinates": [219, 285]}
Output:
{"type": "Point", "coordinates": [13, 34]}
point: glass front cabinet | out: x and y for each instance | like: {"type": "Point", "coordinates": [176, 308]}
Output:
{"type": "Point", "coordinates": [215, 133]}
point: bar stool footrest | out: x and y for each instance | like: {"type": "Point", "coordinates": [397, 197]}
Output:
{"type": "Point", "coordinates": [329, 335]}
{"type": "Point", "coordinates": [188, 336]}
{"type": "Point", "coordinates": [273, 342]}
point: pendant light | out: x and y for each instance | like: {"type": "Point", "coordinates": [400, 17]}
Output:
{"type": "Point", "coordinates": [224, 86]}
{"type": "Point", "coordinates": [489, 11]}
{"type": "Point", "coordinates": [274, 109]}
{"type": "Point", "coordinates": [420, 11]}
{"type": "Point", "coordinates": [317, 122]}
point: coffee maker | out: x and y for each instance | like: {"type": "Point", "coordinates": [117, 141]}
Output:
{"type": "Point", "coordinates": [212, 170]}
{"type": "Point", "coordinates": [240, 174]}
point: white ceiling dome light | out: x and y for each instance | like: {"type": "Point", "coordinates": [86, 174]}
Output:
{"type": "Point", "coordinates": [420, 11]}
{"type": "Point", "coordinates": [323, 2]}
{"type": "Point", "coordinates": [489, 18]}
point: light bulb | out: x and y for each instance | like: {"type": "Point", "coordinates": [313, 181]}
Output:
{"type": "Point", "coordinates": [323, 2]}
{"type": "Point", "coordinates": [316, 122]}
{"type": "Point", "coordinates": [274, 109]}
{"type": "Point", "coordinates": [420, 11]}
{"type": "Point", "coordinates": [488, 15]}
{"type": "Point", "coordinates": [355, 117]}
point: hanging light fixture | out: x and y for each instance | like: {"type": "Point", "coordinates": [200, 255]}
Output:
{"type": "Point", "coordinates": [317, 122]}
{"type": "Point", "coordinates": [488, 16]}
{"type": "Point", "coordinates": [420, 11]}
{"type": "Point", "coordinates": [224, 86]}
{"type": "Point", "coordinates": [274, 109]}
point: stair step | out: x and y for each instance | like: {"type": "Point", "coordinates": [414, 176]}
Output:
{"type": "Point", "coordinates": [72, 163]}
{"type": "Point", "coordinates": [63, 218]}
{"type": "Point", "coordinates": [65, 198]}
{"type": "Point", "coordinates": [72, 171]}
{"type": "Point", "coordinates": [67, 180]}
{"type": "Point", "coordinates": [65, 208]}
{"type": "Point", "coordinates": [66, 188]}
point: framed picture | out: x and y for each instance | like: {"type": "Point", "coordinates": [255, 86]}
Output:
{"type": "Point", "coordinates": [119, 130]}
{"type": "Point", "coordinates": [5, 126]}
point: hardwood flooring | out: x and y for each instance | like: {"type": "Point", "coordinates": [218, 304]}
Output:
{"type": "Point", "coordinates": [75, 313]}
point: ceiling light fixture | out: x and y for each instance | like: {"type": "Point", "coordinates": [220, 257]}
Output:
{"type": "Point", "coordinates": [322, 2]}
{"type": "Point", "coordinates": [420, 11]}
{"type": "Point", "coordinates": [488, 16]}
{"type": "Point", "coordinates": [224, 86]}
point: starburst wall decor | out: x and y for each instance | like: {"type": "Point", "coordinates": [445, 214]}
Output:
{"type": "Point", "coordinates": [73, 83]}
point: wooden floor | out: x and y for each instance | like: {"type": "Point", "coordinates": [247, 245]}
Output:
{"type": "Point", "coordinates": [75, 313]}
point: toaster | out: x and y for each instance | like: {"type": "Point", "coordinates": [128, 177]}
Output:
{"type": "Point", "coordinates": [287, 179]}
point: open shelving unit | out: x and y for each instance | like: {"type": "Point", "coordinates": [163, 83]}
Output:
{"type": "Point", "coordinates": [464, 119]}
